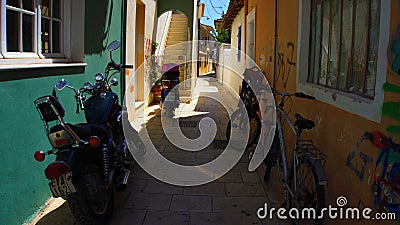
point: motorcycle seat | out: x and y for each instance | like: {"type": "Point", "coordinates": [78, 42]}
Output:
{"type": "Point", "coordinates": [85, 130]}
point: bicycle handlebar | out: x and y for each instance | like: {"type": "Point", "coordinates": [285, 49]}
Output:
{"type": "Point", "coordinates": [297, 94]}
{"type": "Point", "coordinates": [302, 95]}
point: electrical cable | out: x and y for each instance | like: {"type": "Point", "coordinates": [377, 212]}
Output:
{"type": "Point", "coordinates": [214, 8]}
{"type": "Point", "coordinates": [209, 14]}
{"type": "Point", "coordinates": [222, 4]}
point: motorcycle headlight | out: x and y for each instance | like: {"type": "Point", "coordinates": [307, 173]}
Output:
{"type": "Point", "coordinates": [99, 77]}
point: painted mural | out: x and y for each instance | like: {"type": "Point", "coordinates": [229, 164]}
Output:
{"type": "Point", "coordinates": [385, 188]}
{"type": "Point", "coordinates": [392, 109]}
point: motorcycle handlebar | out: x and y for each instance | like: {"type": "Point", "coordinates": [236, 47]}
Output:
{"type": "Point", "coordinates": [127, 66]}
{"type": "Point", "coordinates": [120, 66]}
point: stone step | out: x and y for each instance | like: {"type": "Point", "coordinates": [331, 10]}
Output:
{"type": "Point", "coordinates": [178, 16]}
{"type": "Point", "coordinates": [177, 37]}
{"type": "Point", "coordinates": [178, 31]}
{"type": "Point", "coordinates": [178, 26]}
{"type": "Point", "coordinates": [173, 42]}
{"type": "Point", "coordinates": [175, 52]}
{"type": "Point", "coordinates": [178, 20]}
{"type": "Point", "coordinates": [176, 40]}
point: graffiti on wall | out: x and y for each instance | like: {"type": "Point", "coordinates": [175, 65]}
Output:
{"type": "Point", "coordinates": [392, 109]}
{"type": "Point", "coordinates": [285, 60]}
{"type": "Point", "coordinates": [147, 55]}
{"type": "Point", "coordinates": [360, 172]}
{"type": "Point", "coordinates": [394, 51]}
{"type": "Point", "coordinates": [385, 188]}
{"type": "Point", "coordinates": [285, 67]}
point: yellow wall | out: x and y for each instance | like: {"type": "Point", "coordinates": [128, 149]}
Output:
{"type": "Point", "coordinates": [205, 62]}
{"type": "Point", "coordinates": [337, 131]}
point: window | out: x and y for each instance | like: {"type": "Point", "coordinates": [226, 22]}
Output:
{"type": "Point", "coordinates": [34, 29]}
{"type": "Point", "coordinates": [51, 26]}
{"type": "Point", "coordinates": [19, 26]}
{"type": "Point", "coordinates": [344, 39]}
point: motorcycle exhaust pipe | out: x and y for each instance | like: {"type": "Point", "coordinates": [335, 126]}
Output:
{"type": "Point", "coordinates": [123, 183]}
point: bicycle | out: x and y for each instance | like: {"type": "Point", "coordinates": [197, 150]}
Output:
{"type": "Point", "coordinates": [305, 180]}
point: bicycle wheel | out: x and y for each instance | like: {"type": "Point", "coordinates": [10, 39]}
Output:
{"type": "Point", "coordinates": [309, 194]}
{"type": "Point", "coordinates": [238, 121]}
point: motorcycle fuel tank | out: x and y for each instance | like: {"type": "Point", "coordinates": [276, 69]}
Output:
{"type": "Point", "coordinates": [99, 108]}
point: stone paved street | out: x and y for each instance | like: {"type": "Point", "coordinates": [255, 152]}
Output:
{"type": "Point", "coordinates": [232, 199]}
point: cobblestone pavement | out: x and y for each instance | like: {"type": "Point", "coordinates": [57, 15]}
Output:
{"type": "Point", "coordinates": [232, 199]}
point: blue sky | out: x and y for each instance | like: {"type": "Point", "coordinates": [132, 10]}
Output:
{"type": "Point", "coordinates": [213, 10]}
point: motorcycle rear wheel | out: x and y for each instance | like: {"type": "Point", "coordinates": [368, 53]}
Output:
{"type": "Point", "coordinates": [93, 203]}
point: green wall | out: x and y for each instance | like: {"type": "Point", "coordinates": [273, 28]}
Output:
{"type": "Point", "coordinates": [24, 188]}
{"type": "Point", "coordinates": [185, 6]}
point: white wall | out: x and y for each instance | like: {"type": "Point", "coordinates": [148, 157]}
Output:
{"type": "Point", "coordinates": [131, 37]}
{"type": "Point", "coordinates": [232, 72]}
{"type": "Point", "coordinates": [162, 31]}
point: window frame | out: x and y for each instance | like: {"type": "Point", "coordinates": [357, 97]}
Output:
{"type": "Point", "coordinates": [368, 108]}
{"type": "Point", "coordinates": [63, 11]}
{"type": "Point", "coordinates": [317, 58]}
{"type": "Point", "coordinates": [37, 56]}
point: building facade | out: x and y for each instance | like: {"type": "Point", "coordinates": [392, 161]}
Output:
{"type": "Point", "coordinates": [45, 41]}
{"type": "Point", "coordinates": [345, 53]}
{"type": "Point", "coordinates": [207, 48]}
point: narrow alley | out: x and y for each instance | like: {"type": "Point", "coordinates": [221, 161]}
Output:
{"type": "Point", "coordinates": [232, 199]}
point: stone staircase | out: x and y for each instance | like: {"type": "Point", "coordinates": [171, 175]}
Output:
{"type": "Point", "coordinates": [176, 47]}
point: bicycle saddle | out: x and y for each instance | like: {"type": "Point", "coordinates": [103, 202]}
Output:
{"type": "Point", "coordinates": [303, 123]}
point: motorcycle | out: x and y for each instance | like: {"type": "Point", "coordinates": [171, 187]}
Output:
{"type": "Point", "coordinates": [169, 95]}
{"type": "Point", "coordinates": [92, 159]}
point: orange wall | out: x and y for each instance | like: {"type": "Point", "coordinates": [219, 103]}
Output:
{"type": "Point", "coordinates": [337, 131]}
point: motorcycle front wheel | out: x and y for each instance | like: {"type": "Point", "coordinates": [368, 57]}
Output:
{"type": "Point", "coordinates": [93, 203]}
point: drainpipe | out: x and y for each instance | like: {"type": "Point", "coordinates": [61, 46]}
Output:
{"type": "Point", "coordinates": [276, 38]}
{"type": "Point", "coordinates": [123, 48]}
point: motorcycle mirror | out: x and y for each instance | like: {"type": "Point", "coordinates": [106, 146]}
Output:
{"type": "Point", "coordinates": [61, 84]}
{"type": "Point", "coordinates": [113, 46]}
{"type": "Point", "coordinates": [99, 77]}
{"type": "Point", "coordinates": [114, 82]}
{"type": "Point", "coordinates": [88, 86]}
